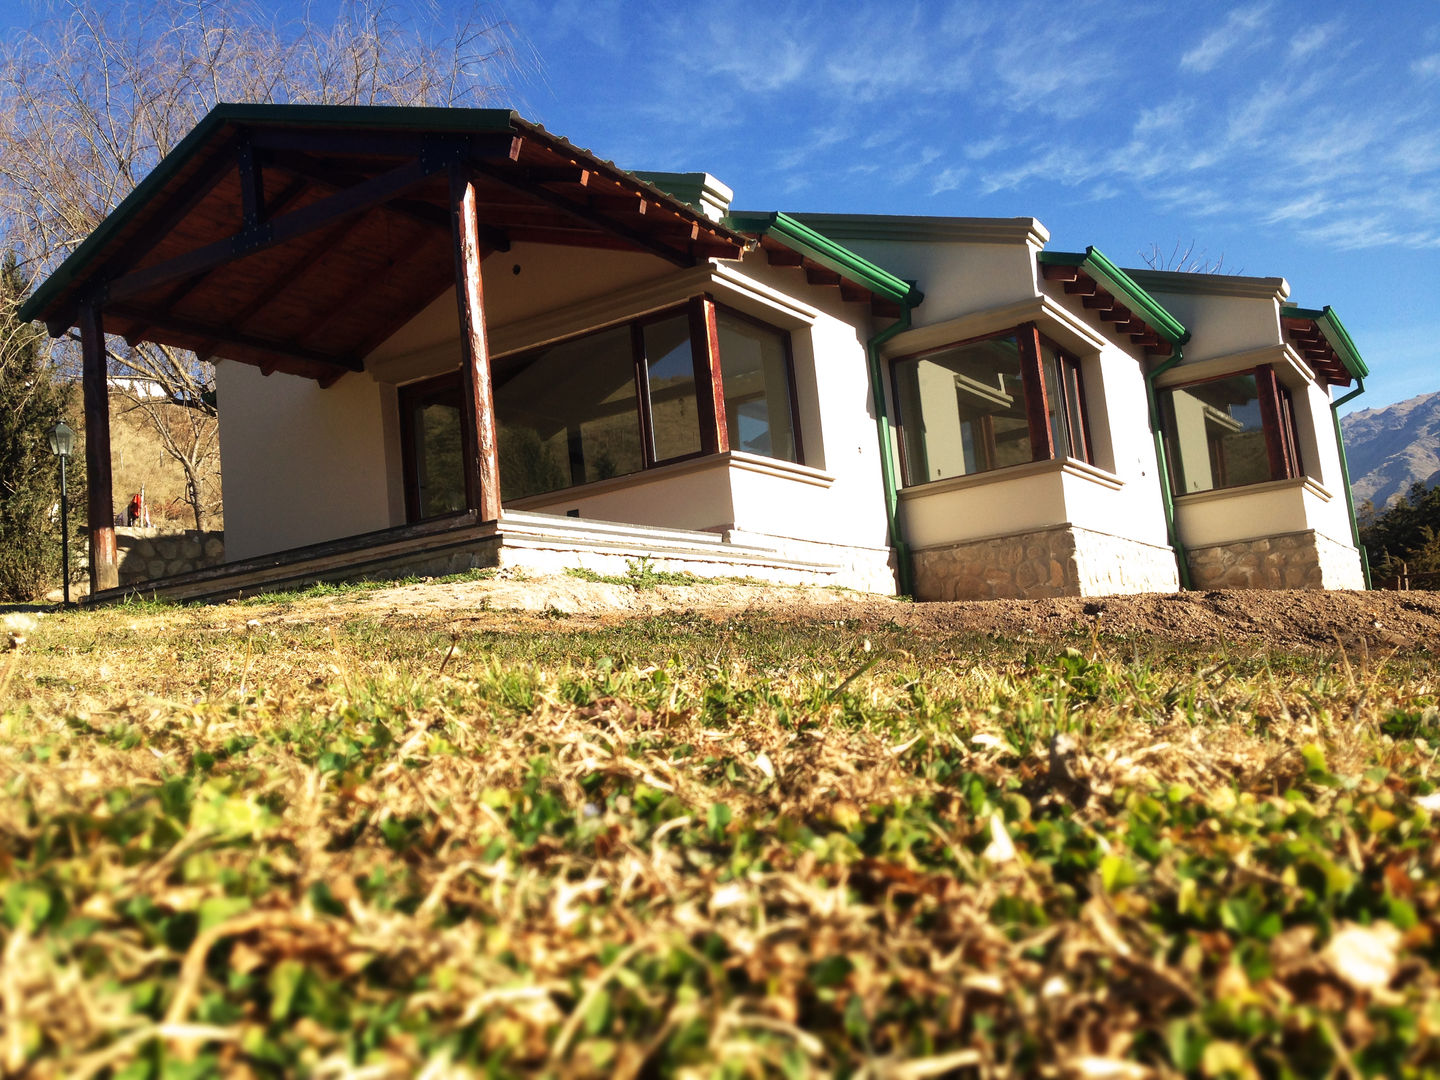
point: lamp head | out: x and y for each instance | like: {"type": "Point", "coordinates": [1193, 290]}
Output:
{"type": "Point", "coordinates": [62, 439]}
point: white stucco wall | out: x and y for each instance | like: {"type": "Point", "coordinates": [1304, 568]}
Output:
{"type": "Point", "coordinates": [302, 464]}
{"type": "Point", "coordinates": [1254, 511]}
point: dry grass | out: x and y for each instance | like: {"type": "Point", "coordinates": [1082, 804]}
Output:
{"type": "Point", "coordinates": [252, 841]}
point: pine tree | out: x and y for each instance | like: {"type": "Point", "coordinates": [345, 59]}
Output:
{"type": "Point", "coordinates": [32, 400]}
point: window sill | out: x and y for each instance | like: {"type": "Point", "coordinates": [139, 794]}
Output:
{"type": "Point", "coordinates": [1067, 466]}
{"type": "Point", "coordinates": [1263, 487]}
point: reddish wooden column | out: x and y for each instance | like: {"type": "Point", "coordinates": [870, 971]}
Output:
{"type": "Point", "coordinates": [100, 517]}
{"type": "Point", "coordinates": [1037, 405]}
{"type": "Point", "coordinates": [477, 397]}
{"type": "Point", "coordinates": [1267, 386]}
{"type": "Point", "coordinates": [705, 352]}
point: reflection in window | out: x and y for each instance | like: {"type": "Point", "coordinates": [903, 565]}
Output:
{"type": "Point", "coordinates": [755, 368]}
{"type": "Point", "coordinates": [964, 410]}
{"type": "Point", "coordinates": [567, 414]}
{"type": "Point", "coordinates": [440, 481]}
{"type": "Point", "coordinates": [670, 367]}
{"type": "Point", "coordinates": [1215, 435]}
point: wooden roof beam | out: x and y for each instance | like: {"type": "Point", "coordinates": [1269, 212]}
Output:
{"type": "Point", "coordinates": [784, 257]}
{"type": "Point", "coordinates": [585, 213]}
{"type": "Point", "coordinates": [200, 331]}
{"type": "Point", "coordinates": [278, 230]}
{"type": "Point", "coordinates": [1102, 302]}
{"type": "Point", "coordinates": [1060, 273]}
{"type": "Point", "coordinates": [818, 275]}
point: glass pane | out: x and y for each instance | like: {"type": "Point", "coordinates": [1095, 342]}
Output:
{"type": "Point", "coordinates": [963, 410]}
{"type": "Point", "coordinates": [567, 414]}
{"type": "Point", "coordinates": [1052, 365]}
{"type": "Point", "coordinates": [1213, 434]}
{"type": "Point", "coordinates": [439, 476]}
{"type": "Point", "coordinates": [755, 368]}
{"type": "Point", "coordinates": [671, 366]}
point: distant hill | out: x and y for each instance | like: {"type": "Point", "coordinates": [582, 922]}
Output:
{"type": "Point", "coordinates": [1389, 449]}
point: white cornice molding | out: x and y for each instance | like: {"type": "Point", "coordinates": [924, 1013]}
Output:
{"type": "Point", "coordinates": [914, 229]}
{"type": "Point", "coordinates": [1058, 323]}
{"type": "Point", "coordinates": [1250, 288]}
{"type": "Point", "coordinates": [727, 283]}
{"type": "Point", "coordinates": [1289, 368]}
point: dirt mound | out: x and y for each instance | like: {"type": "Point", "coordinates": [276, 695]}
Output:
{"type": "Point", "coordinates": [1281, 620]}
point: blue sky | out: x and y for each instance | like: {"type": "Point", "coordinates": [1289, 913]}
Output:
{"type": "Point", "coordinates": [1299, 139]}
{"type": "Point", "coordinates": [1293, 139]}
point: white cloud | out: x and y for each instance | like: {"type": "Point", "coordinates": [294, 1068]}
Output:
{"type": "Point", "coordinates": [1312, 39]}
{"type": "Point", "coordinates": [1427, 67]}
{"type": "Point", "coordinates": [1237, 32]}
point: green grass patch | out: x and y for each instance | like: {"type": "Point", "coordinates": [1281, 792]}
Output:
{"type": "Point", "coordinates": [681, 845]}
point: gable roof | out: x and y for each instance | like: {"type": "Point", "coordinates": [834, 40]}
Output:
{"type": "Point", "coordinates": [1116, 298]}
{"type": "Point", "coordinates": [790, 242]}
{"type": "Point", "coordinates": [298, 237]}
{"type": "Point", "coordinates": [1322, 340]}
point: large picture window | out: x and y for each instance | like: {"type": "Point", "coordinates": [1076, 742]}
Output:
{"type": "Point", "coordinates": [987, 404]}
{"type": "Point", "coordinates": [608, 403]}
{"type": "Point", "coordinates": [1229, 432]}
{"type": "Point", "coordinates": [756, 373]}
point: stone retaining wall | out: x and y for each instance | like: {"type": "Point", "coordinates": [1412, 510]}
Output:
{"type": "Point", "coordinates": [147, 554]}
{"type": "Point", "coordinates": [1299, 560]}
{"type": "Point", "coordinates": [1060, 561]}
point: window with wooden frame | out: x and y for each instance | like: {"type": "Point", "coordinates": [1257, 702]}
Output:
{"type": "Point", "coordinates": [987, 403]}
{"type": "Point", "coordinates": [686, 381]}
{"type": "Point", "coordinates": [1229, 432]}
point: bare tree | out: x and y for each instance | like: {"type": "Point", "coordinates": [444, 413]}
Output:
{"type": "Point", "coordinates": [93, 99]}
{"type": "Point", "coordinates": [1184, 259]}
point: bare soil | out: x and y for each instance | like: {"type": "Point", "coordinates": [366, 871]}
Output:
{"type": "Point", "coordinates": [1298, 620]}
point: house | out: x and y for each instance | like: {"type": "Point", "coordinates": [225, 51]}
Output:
{"type": "Point", "coordinates": [448, 338]}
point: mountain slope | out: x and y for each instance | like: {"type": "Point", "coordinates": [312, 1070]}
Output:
{"type": "Point", "coordinates": [1391, 448]}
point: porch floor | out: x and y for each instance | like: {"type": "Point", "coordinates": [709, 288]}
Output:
{"type": "Point", "coordinates": [544, 543]}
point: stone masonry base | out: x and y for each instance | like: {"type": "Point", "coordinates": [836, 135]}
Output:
{"type": "Point", "coordinates": [146, 554]}
{"type": "Point", "coordinates": [1300, 560]}
{"type": "Point", "coordinates": [1064, 560]}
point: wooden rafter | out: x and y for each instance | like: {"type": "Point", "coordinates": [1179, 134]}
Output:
{"type": "Point", "coordinates": [200, 332]}
{"type": "Point", "coordinates": [276, 231]}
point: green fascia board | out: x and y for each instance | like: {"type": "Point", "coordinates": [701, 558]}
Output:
{"type": "Point", "coordinates": [1335, 333]}
{"type": "Point", "coordinates": [372, 116]}
{"type": "Point", "coordinates": [806, 241]}
{"type": "Point", "coordinates": [1123, 287]}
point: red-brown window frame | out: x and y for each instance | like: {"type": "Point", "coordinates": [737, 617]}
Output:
{"type": "Point", "coordinates": [1277, 421]}
{"type": "Point", "coordinates": [1028, 340]}
{"type": "Point", "coordinates": [705, 359]}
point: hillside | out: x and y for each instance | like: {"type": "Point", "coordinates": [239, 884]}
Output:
{"type": "Point", "coordinates": [1391, 448]}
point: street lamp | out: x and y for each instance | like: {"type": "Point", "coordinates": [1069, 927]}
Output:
{"type": "Point", "coordinates": [62, 442]}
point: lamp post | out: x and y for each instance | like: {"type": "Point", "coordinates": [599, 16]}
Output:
{"type": "Point", "coordinates": [62, 442]}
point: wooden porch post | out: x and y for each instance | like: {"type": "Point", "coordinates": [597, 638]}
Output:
{"type": "Point", "coordinates": [1268, 388]}
{"type": "Point", "coordinates": [705, 354]}
{"type": "Point", "coordinates": [477, 398]}
{"type": "Point", "coordinates": [1037, 405]}
{"type": "Point", "coordinates": [100, 515]}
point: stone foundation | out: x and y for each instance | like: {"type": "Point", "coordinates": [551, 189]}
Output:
{"type": "Point", "coordinates": [1300, 560]}
{"type": "Point", "coordinates": [1060, 561]}
{"type": "Point", "coordinates": [147, 554]}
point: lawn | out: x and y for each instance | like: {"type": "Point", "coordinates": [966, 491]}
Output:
{"type": "Point", "coordinates": [285, 839]}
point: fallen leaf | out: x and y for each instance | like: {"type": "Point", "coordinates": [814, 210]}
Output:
{"type": "Point", "coordinates": [1363, 956]}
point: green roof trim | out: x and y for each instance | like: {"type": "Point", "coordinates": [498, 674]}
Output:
{"type": "Point", "coordinates": [1123, 287]}
{"type": "Point", "coordinates": [370, 116]}
{"type": "Point", "coordinates": [799, 237]}
{"type": "Point", "coordinates": [1335, 333]}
